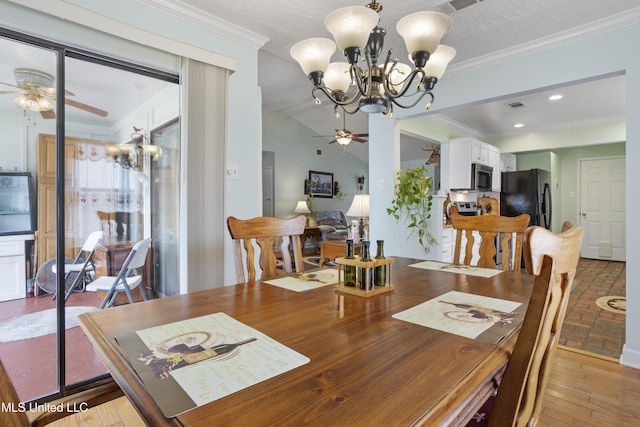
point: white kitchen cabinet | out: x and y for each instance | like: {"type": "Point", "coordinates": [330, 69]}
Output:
{"type": "Point", "coordinates": [442, 249]}
{"type": "Point", "coordinates": [13, 267]}
{"type": "Point", "coordinates": [508, 162]}
{"type": "Point", "coordinates": [465, 151]}
{"type": "Point", "coordinates": [494, 162]}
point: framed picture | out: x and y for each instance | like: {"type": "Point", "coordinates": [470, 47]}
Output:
{"type": "Point", "coordinates": [321, 184]}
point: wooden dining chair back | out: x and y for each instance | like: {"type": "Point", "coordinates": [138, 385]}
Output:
{"type": "Point", "coordinates": [554, 258]}
{"type": "Point", "coordinates": [13, 416]}
{"type": "Point", "coordinates": [487, 228]}
{"type": "Point", "coordinates": [259, 235]}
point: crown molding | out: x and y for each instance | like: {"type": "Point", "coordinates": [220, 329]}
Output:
{"type": "Point", "coordinates": [573, 35]}
{"type": "Point", "coordinates": [207, 21]}
{"type": "Point", "coordinates": [68, 11]}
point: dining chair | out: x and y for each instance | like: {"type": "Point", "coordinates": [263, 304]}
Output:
{"type": "Point", "coordinates": [81, 266]}
{"type": "Point", "coordinates": [487, 228]}
{"type": "Point", "coordinates": [128, 277]}
{"type": "Point", "coordinates": [554, 259]}
{"type": "Point", "coordinates": [262, 235]}
{"type": "Point", "coordinates": [14, 417]}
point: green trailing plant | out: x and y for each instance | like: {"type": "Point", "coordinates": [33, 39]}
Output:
{"type": "Point", "coordinates": [413, 203]}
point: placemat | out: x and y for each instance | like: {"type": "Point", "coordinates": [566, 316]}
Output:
{"type": "Point", "coordinates": [473, 316]}
{"type": "Point", "coordinates": [301, 282]}
{"type": "Point", "coordinates": [456, 268]}
{"type": "Point", "coordinates": [190, 363]}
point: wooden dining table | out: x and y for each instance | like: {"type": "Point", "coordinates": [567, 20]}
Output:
{"type": "Point", "coordinates": [366, 367]}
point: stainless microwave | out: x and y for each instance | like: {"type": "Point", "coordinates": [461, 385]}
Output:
{"type": "Point", "coordinates": [481, 177]}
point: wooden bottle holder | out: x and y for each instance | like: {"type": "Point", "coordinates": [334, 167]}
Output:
{"type": "Point", "coordinates": [355, 290]}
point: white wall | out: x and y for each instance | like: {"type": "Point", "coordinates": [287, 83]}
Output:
{"type": "Point", "coordinates": [571, 62]}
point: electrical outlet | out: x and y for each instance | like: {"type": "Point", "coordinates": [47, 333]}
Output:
{"type": "Point", "coordinates": [233, 172]}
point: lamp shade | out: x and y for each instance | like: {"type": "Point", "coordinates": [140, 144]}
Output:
{"type": "Point", "coordinates": [438, 61]}
{"type": "Point", "coordinates": [360, 206]}
{"type": "Point", "coordinates": [338, 76]}
{"type": "Point", "coordinates": [302, 208]}
{"type": "Point", "coordinates": [351, 25]}
{"type": "Point", "coordinates": [313, 54]}
{"type": "Point", "coordinates": [422, 31]}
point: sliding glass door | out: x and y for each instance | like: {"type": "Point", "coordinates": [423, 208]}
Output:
{"type": "Point", "coordinates": [115, 134]}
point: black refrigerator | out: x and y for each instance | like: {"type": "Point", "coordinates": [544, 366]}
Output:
{"type": "Point", "coordinates": [527, 192]}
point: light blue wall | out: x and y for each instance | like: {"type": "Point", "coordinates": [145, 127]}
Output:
{"type": "Point", "coordinates": [572, 61]}
{"type": "Point", "coordinates": [295, 149]}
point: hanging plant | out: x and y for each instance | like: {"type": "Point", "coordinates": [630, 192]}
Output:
{"type": "Point", "coordinates": [413, 203]}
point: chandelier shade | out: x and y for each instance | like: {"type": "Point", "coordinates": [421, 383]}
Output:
{"type": "Point", "coordinates": [382, 83]}
{"type": "Point", "coordinates": [422, 31]}
{"type": "Point", "coordinates": [351, 26]}
{"type": "Point", "coordinates": [338, 76]}
{"type": "Point", "coordinates": [313, 55]}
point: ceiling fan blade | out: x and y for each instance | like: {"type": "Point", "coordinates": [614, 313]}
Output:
{"type": "Point", "coordinates": [85, 107]}
{"type": "Point", "coordinates": [331, 142]}
{"type": "Point", "coordinates": [4, 92]}
{"type": "Point", "coordinates": [9, 84]}
{"type": "Point", "coordinates": [359, 139]}
{"type": "Point", "coordinates": [50, 114]}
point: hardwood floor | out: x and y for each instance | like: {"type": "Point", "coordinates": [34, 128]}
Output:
{"type": "Point", "coordinates": [583, 390]}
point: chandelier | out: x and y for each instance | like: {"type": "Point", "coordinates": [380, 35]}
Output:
{"type": "Point", "coordinates": [129, 155]}
{"type": "Point", "coordinates": [381, 85]}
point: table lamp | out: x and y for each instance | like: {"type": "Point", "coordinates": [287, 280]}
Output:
{"type": "Point", "coordinates": [360, 208]}
{"type": "Point", "coordinates": [303, 208]}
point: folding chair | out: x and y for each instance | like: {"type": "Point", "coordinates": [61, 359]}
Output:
{"type": "Point", "coordinates": [81, 266]}
{"type": "Point", "coordinates": [127, 279]}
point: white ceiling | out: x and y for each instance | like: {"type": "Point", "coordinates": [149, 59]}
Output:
{"type": "Point", "coordinates": [490, 28]}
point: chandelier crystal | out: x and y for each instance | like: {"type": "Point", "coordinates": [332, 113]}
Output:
{"type": "Point", "coordinates": [379, 86]}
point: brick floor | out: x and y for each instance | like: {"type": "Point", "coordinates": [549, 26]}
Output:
{"type": "Point", "coordinates": [586, 326]}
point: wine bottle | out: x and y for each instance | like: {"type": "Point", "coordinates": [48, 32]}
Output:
{"type": "Point", "coordinates": [350, 270]}
{"type": "Point", "coordinates": [380, 271]}
{"type": "Point", "coordinates": [162, 367]}
{"type": "Point", "coordinates": [366, 279]}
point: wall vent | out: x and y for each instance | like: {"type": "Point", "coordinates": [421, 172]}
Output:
{"type": "Point", "coordinates": [451, 6]}
{"type": "Point", "coordinates": [516, 104]}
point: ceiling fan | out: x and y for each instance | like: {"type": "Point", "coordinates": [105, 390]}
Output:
{"type": "Point", "coordinates": [36, 91]}
{"type": "Point", "coordinates": [344, 136]}
{"type": "Point", "coordinates": [434, 159]}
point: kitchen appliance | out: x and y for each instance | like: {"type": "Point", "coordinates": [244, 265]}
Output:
{"type": "Point", "coordinates": [481, 177]}
{"type": "Point", "coordinates": [527, 192]}
{"type": "Point", "coordinates": [17, 214]}
{"type": "Point", "coordinates": [468, 208]}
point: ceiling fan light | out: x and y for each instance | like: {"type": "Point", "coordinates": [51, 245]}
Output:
{"type": "Point", "coordinates": [313, 54]}
{"type": "Point", "coordinates": [439, 60]}
{"type": "Point", "coordinates": [422, 31]}
{"type": "Point", "coordinates": [33, 102]}
{"type": "Point", "coordinates": [351, 26]}
{"type": "Point", "coordinates": [344, 140]}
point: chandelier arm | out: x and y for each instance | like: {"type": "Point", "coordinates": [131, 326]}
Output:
{"type": "Point", "coordinates": [331, 95]}
{"type": "Point", "coordinates": [406, 84]}
{"type": "Point", "coordinates": [413, 104]}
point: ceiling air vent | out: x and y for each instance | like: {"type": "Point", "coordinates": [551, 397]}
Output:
{"type": "Point", "coordinates": [451, 6]}
{"type": "Point", "coordinates": [516, 104]}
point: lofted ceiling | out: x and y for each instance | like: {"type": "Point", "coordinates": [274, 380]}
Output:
{"type": "Point", "coordinates": [489, 29]}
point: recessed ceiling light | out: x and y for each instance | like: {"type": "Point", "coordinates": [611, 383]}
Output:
{"type": "Point", "coordinates": [555, 97]}
{"type": "Point", "coordinates": [518, 125]}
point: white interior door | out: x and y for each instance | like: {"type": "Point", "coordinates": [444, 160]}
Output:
{"type": "Point", "coordinates": [602, 208]}
{"type": "Point", "coordinates": [267, 191]}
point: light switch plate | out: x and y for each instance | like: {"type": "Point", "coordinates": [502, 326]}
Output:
{"type": "Point", "coordinates": [233, 172]}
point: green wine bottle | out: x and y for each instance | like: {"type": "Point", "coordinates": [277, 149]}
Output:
{"type": "Point", "coordinates": [350, 270]}
{"type": "Point", "coordinates": [380, 271]}
{"type": "Point", "coordinates": [366, 279]}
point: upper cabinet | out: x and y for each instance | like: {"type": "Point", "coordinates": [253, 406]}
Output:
{"type": "Point", "coordinates": [508, 162]}
{"type": "Point", "coordinates": [465, 151]}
